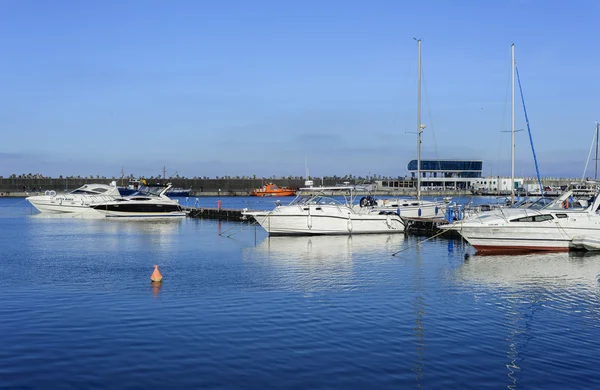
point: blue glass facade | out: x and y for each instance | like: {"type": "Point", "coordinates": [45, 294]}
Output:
{"type": "Point", "coordinates": [449, 168]}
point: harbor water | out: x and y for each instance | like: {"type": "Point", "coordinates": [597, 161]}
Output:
{"type": "Point", "coordinates": [239, 310]}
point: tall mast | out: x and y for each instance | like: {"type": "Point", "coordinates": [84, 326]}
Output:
{"type": "Point", "coordinates": [419, 126]}
{"type": "Point", "coordinates": [596, 171]}
{"type": "Point", "coordinates": [512, 124]}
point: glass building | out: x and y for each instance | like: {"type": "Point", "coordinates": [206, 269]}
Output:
{"type": "Point", "coordinates": [441, 174]}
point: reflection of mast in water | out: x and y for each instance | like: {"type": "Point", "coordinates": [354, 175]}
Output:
{"type": "Point", "coordinates": [419, 329]}
{"type": "Point", "coordinates": [518, 331]}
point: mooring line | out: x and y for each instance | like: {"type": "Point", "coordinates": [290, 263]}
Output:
{"type": "Point", "coordinates": [419, 243]}
{"type": "Point", "coordinates": [242, 229]}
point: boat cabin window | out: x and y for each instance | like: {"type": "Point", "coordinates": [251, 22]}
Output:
{"type": "Point", "coordinates": [94, 191]}
{"type": "Point", "coordinates": [534, 218]}
{"type": "Point", "coordinates": [561, 215]}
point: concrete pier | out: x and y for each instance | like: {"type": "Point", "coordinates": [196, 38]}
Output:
{"type": "Point", "coordinates": [214, 213]}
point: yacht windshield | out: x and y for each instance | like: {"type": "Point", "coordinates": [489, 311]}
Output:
{"type": "Point", "coordinates": [146, 190]}
{"type": "Point", "coordinates": [533, 203]}
{"type": "Point", "coordinates": [314, 199]}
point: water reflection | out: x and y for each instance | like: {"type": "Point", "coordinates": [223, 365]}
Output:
{"type": "Point", "coordinates": [310, 250]}
{"type": "Point", "coordinates": [320, 262]}
{"type": "Point", "coordinates": [155, 288]}
{"type": "Point", "coordinates": [419, 310]}
{"type": "Point", "coordinates": [523, 285]}
{"type": "Point", "coordinates": [102, 234]}
{"type": "Point", "coordinates": [547, 270]}
{"type": "Point", "coordinates": [86, 213]}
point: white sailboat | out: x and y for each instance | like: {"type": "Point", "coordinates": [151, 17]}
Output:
{"type": "Point", "coordinates": [558, 226]}
{"type": "Point", "coordinates": [415, 209]}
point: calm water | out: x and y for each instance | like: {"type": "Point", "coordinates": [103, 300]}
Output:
{"type": "Point", "coordinates": [77, 309]}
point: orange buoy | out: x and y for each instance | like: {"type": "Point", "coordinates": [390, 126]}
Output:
{"type": "Point", "coordinates": [156, 276]}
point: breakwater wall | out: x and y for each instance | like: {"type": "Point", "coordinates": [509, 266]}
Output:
{"type": "Point", "coordinates": [200, 187]}
{"type": "Point", "coordinates": [220, 187]}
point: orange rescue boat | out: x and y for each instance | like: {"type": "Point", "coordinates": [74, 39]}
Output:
{"type": "Point", "coordinates": [271, 189]}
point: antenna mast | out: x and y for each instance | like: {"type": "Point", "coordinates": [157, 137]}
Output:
{"type": "Point", "coordinates": [420, 127]}
{"type": "Point", "coordinates": [596, 170]}
{"type": "Point", "coordinates": [512, 124]}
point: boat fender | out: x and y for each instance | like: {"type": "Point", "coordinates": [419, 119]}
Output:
{"type": "Point", "coordinates": [436, 210]}
{"type": "Point", "coordinates": [419, 212]}
{"type": "Point", "coordinates": [398, 211]}
{"type": "Point", "coordinates": [388, 221]}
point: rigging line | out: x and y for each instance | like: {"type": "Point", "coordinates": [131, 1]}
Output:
{"type": "Point", "coordinates": [589, 155]}
{"type": "Point", "coordinates": [430, 116]}
{"type": "Point", "coordinates": [537, 170]}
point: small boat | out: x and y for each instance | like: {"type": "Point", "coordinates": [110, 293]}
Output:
{"type": "Point", "coordinates": [132, 187]}
{"type": "Point", "coordinates": [271, 189]}
{"type": "Point", "coordinates": [178, 192]}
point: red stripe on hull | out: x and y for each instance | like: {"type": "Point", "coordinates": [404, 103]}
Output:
{"type": "Point", "coordinates": [517, 249]}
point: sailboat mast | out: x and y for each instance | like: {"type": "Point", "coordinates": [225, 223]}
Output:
{"type": "Point", "coordinates": [596, 171]}
{"type": "Point", "coordinates": [512, 125]}
{"type": "Point", "coordinates": [419, 129]}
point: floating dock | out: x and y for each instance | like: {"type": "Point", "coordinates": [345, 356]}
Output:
{"type": "Point", "coordinates": [215, 213]}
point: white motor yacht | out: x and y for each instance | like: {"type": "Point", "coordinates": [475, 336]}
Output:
{"type": "Point", "coordinates": [315, 212]}
{"type": "Point", "coordinates": [148, 202]}
{"type": "Point", "coordinates": [76, 201]}
{"type": "Point", "coordinates": [566, 223]}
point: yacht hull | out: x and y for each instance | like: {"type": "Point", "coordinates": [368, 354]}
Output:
{"type": "Point", "coordinates": [61, 204]}
{"type": "Point", "coordinates": [137, 210]}
{"type": "Point", "coordinates": [521, 239]}
{"type": "Point", "coordinates": [276, 223]}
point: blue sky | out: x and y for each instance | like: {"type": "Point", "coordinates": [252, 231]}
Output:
{"type": "Point", "coordinates": [214, 88]}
